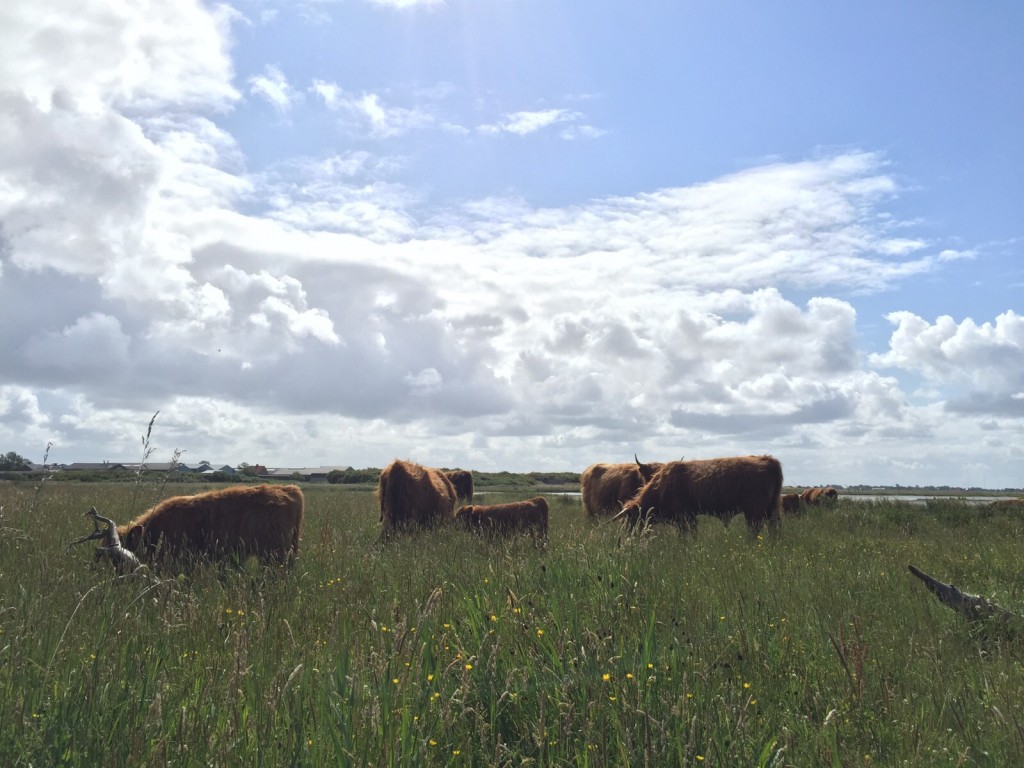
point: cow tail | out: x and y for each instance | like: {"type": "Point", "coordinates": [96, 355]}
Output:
{"type": "Point", "coordinates": [296, 535]}
{"type": "Point", "coordinates": [775, 508]}
{"type": "Point", "coordinates": [395, 494]}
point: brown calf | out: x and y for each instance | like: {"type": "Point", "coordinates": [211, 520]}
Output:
{"type": "Point", "coordinates": [263, 520]}
{"type": "Point", "coordinates": [791, 503]}
{"type": "Point", "coordinates": [414, 496]}
{"type": "Point", "coordinates": [515, 517]}
{"type": "Point", "coordinates": [681, 490]}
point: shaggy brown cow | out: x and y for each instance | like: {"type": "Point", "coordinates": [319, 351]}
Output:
{"type": "Point", "coordinates": [1007, 505]}
{"type": "Point", "coordinates": [791, 503]}
{"type": "Point", "coordinates": [681, 490]}
{"type": "Point", "coordinates": [411, 495]}
{"type": "Point", "coordinates": [262, 520]}
{"type": "Point", "coordinates": [816, 496]}
{"type": "Point", "coordinates": [606, 487]}
{"type": "Point", "coordinates": [519, 516]}
{"type": "Point", "coordinates": [462, 479]}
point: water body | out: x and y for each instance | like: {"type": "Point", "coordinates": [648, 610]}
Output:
{"type": "Point", "coordinates": [922, 499]}
{"type": "Point", "coordinates": [913, 499]}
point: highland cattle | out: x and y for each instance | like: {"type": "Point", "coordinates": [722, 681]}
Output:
{"type": "Point", "coordinates": [814, 497]}
{"type": "Point", "coordinates": [263, 520]}
{"type": "Point", "coordinates": [604, 488]}
{"type": "Point", "coordinates": [681, 490]}
{"type": "Point", "coordinates": [791, 503]}
{"type": "Point", "coordinates": [529, 516]}
{"type": "Point", "coordinates": [462, 479]}
{"type": "Point", "coordinates": [414, 496]}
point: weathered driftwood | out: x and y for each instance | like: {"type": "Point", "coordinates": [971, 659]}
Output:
{"type": "Point", "coordinates": [124, 560]}
{"type": "Point", "coordinates": [975, 608]}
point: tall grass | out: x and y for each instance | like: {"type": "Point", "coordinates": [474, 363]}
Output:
{"type": "Point", "coordinates": [812, 647]}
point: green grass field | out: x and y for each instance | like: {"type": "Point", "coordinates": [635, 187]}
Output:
{"type": "Point", "coordinates": [813, 647]}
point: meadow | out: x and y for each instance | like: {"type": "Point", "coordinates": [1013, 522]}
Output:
{"type": "Point", "coordinates": [814, 646]}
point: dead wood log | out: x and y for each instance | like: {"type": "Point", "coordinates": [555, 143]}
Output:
{"type": "Point", "coordinates": [124, 560]}
{"type": "Point", "coordinates": [975, 608]}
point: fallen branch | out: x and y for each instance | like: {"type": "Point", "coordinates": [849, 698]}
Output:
{"type": "Point", "coordinates": [124, 560]}
{"type": "Point", "coordinates": [975, 608]}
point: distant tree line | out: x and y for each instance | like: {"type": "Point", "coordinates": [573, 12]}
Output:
{"type": "Point", "coordinates": [505, 480]}
{"type": "Point", "coordinates": [13, 462]}
{"type": "Point", "coordinates": [353, 476]}
{"type": "Point", "coordinates": [14, 467]}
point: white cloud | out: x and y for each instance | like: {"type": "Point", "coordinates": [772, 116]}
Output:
{"type": "Point", "coordinates": [979, 365]}
{"type": "Point", "coordinates": [142, 55]}
{"type": "Point", "coordinates": [275, 88]}
{"type": "Point", "coordinates": [23, 421]}
{"type": "Point", "coordinates": [403, 4]}
{"type": "Point", "coordinates": [809, 224]}
{"type": "Point", "coordinates": [94, 345]}
{"type": "Point", "coordinates": [526, 122]}
{"type": "Point", "coordinates": [321, 289]}
{"type": "Point", "coordinates": [368, 111]}
{"type": "Point", "coordinates": [573, 132]}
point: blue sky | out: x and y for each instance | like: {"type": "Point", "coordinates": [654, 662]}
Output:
{"type": "Point", "coordinates": [505, 234]}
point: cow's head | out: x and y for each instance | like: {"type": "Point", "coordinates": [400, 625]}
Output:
{"type": "Point", "coordinates": [465, 517]}
{"type": "Point", "coordinates": [646, 470]}
{"type": "Point", "coordinates": [631, 514]}
{"type": "Point", "coordinates": [133, 538]}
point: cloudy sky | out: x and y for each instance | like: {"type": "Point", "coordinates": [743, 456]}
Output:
{"type": "Point", "coordinates": [516, 234]}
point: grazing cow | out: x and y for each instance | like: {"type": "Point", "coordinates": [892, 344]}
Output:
{"type": "Point", "coordinates": [606, 487]}
{"type": "Point", "coordinates": [515, 517]}
{"type": "Point", "coordinates": [414, 496]}
{"type": "Point", "coordinates": [814, 497]}
{"type": "Point", "coordinates": [791, 503]}
{"type": "Point", "coordinates": [462, 479]}
{"type": "Point", "coordinates": [681, 490]}
{"type": "Point", "coordinates": [262, 520]}
{"type": "Point", "coordinates": [1007, 505]}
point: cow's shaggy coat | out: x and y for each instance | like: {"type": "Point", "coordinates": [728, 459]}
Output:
{"type": "Point", "coordinates": [681, 490]}
{"type": "Point", "coordinates": [462, 479]}
{"type": "Point", "coordinates": [791, 503]}
{"type": "Point", "coordinates": [414, 496]}
{"type": "Point", "coordinates": [263, 520]}
{"type": "Point", "coordinates": [529, 516]}
{"type": "Point", "coordinates": [816, 496]}
{"type": "Point", "coordinates": [604, 488]}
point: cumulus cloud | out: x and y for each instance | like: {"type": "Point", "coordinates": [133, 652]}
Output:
{"type": "Point", "coordinates": [980, 363]}
{"type": "Point", "coordinates": [344, 194]}
{"type": "Point", "coordinates": [92, 347]}
{"type": "Point", "coordinates": [322, 296]}
{"type": "Point", "coordinates": [147, 55]}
